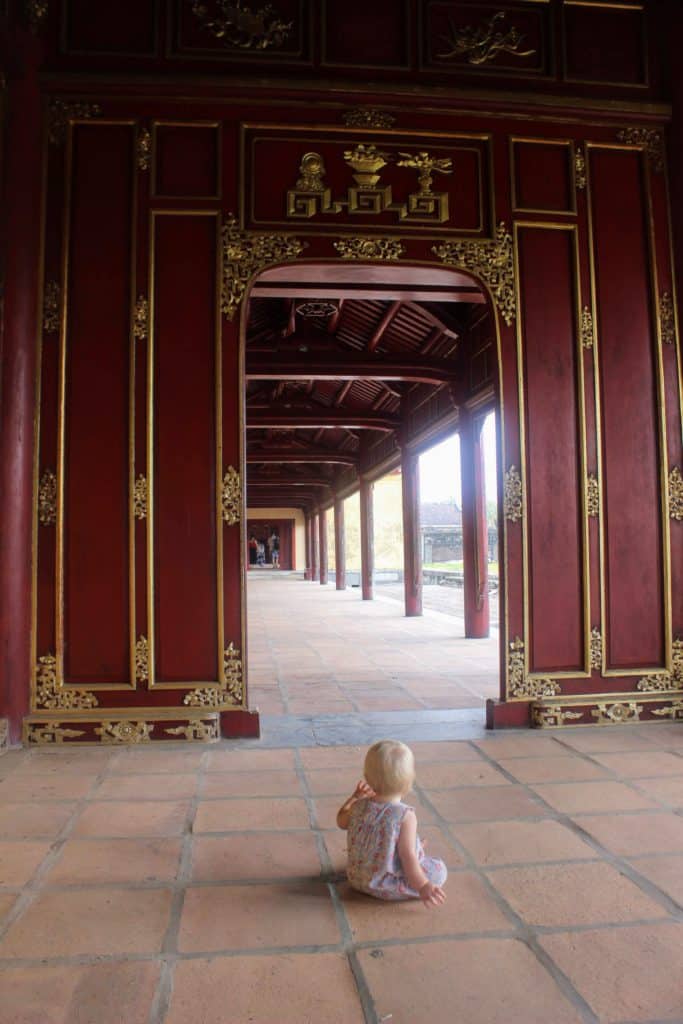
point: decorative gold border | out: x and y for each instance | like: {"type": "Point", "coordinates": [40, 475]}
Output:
{"type": "Point", "coordinates": [122, 726]}
{"type": "Point", "coordinates": [605, 710]}
{"type": "Point", "coordinates": [572, 183]}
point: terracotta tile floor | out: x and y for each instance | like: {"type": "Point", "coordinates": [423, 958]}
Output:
{"type": "Point", "coordinates": [157, 886]}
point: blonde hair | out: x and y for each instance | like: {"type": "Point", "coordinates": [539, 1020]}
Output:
{"type": "Point", "coordinates": [390, 768]}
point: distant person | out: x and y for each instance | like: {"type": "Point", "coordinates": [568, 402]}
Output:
{"type": "Point", "coordinates": [260, 553]}
{"type": "Point", "coordinates": [275, 550]}
{"type": "Point", "coordinates": [253, 549]}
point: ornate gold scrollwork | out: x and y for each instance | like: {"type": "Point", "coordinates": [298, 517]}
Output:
{"type": "Point", "coordinates": [231, 497]}
{"type": "Point", "coordinates": [483, 43]}
{"type": "Point", "coordinates": [580, 178]}
{"type": "Point", "coordinates": [648, 139]}
{"type": "Point", "coordinates": [47, 498]}
{"type": "Point", "coordinates": [592, 496]}
{"type": "Point", "coordinates": [61, 113]}
{"type": "Point", "coordinates": [427, 166]}
{"type": "Point", "coordinates": [52, 307]}
{"type": "Point", "coordinates": [674, 711]}
{"type": "Point", "coordinates": [198, 731]}
{"type": "Point", "coordinates": [369, 248]}
{"type": "Point", "coordinates": [522, 685]}
{"type": "Point", "coordinates": [143, 149]}
{"type": "Point", "coordinates": [49, 695]}
{"type": "Point", "coordinates": [140, 497]}
{"type": "Point", "coordinates": [141, 318]}
{"type": "Point", "coordinates": [242, 27]}
{"type": "Point", "coordinates": [587, 329]}
{"type": "Point", "coordinates": [676, 494]}
{"type": "Point", "coordinates": [368, 117]}
{"type": "Point", "coordinates": [51, 732]}
{"type": "Point", "coordinates": [36, 12]}
{"type": "Point", "coordinates": [141, 660]}
{"type": "Point", "coordinates": [125, 732]}
{"type": "Point", "coordinates": [596, 648]}
{"type": "Point", "coordinates": [617, 714]}
{"type": "Point", "coordinates": [545, 716]}
{"type": "Point", "coordinates": [229, 691]}
{"type": "Point", "coordinates": [244, 254]}
{"type": "Point", "coordinates": [513, 503]}
{"type": "Point", "coordinates": [672, 680]}
{"type": "Point", "coordinates": [667, 322]}
{"type": "Point", "coordinates": [492, 261]}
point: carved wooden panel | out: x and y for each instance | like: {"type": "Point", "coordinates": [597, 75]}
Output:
{"type": "Point", "coordinates": [87, 29]}
{"type": "Point", "coordinates": [223, 33]}
{"type": "Point", "coordinates": [542, 176]}
{"type": "Point", "coordinates": [362, 35]}
{"type": "Point", "coordinates": [605, 44]}
{"type": "Point", "coordinates": [187, 160]}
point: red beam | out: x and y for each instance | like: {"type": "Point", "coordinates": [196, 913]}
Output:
{"type": "Point", "coordinates": [309, 455]}
{"type": "Point", "coordinates": [304, 366]}
{"type": "Point", "coordinates": [312, 419]}
{"type": "Point", "coordinates": [382, 326]}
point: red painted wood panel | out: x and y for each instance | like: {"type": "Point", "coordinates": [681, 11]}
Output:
{"type": "Point", "coordinates": [553, 450]}
{"type": "Point", "coordinates": [96, 528]}
{"type": "Point", "coordinates": [185, 542]}
{"type": "Point", "coordinates": [628, 400]}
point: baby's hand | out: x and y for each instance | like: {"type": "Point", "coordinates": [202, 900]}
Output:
{"type": "Point", "coordinates": [363, 790]}
{"type": "Point", "coordinates": [432, 895]}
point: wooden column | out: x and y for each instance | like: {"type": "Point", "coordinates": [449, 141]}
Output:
{"type": "Point", "coordinates": [322, 545]}
{"type": "Point", "coordinates": [412, 553]}
{"type": "Point", "coordinates": [367, 543]}
{"type": "Point", "coordinates": [307, 542]}
{"type": "Point", "coordinates": [474, 526]}
{"type": "Point", "coordinates": [315, 565]}
{"type": "Point", "coordinates": [339, 544]}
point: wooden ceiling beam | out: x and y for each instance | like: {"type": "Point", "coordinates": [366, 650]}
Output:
{"type": "Point", "coordinates": [304, 366]}
{"type": "Point", "coordinates": [311, 419]}
{"type": "Point", "coordinates": [315, 455]}
{"type": "Point", "coordinates": [382, 326]}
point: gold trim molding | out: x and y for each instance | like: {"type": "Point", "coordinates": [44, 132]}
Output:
{"type": "Point", "coordinates": [660, 681]}
{"type": "Point", "coordinates": [197, 731]}
{"type": "Point", "coordinates": [592, 496]}
{"type": "Point", "coordinates": [47, 498]}
{"type": "Point", "coordinates": [364, 248]}
{"type": "Point", "coordinates": [230, 691]}
{"type": "Point", "coordinates": [143, 148]}
{"type": "Point", "coordinates": [676, 494]}
{"type": "Point", "coordinates": [141, 660]}
{"type": "Point", "coordinates": [587, 329]}
{"type": "Point", "coordinates": [522, 685]}
{"type": "Point", "coordinates": [50, 733]}
{"type": "Point", "coordinates": [482, 44]}
{"type": "Point", "coordinates": [623, 713]}
{"type": "Point", "coordinates": [513, 502]}
{"type": "Point", "coordinates": [552, 717]}
{"type": "Point", "coordinates": [580, 177]}
{"type": "Point", "coordinates": [49, 695]}
{"type": "Point", "coordinates": [596, 649]}
{"type": "Point", "coordinates": [241, 27]}
{"type": "Point", "coordinates": [244, 254]}
{"type": "Point", "coordinates": [141, 318]}
{"type": "Point", "coordinates": [60, 115]}
{"type": "Point", "coordinates": [368, 117]}
{"type": "Point", "coordinates": [140, 497]}
{"type": "Point", "coordinates": [593, 711]}
{"type": "Point", "coordinates": [231, 497]}
{"type": "Point", "coordinates": [667, 322]}
{"type": "Point", "coordinates": [52, 307]}
{"type": "Point", "coordinates": [125, 732]}
{"type": "Point", "coordinates": [674, 711]}
{"type": "Point", "coordinates": [650, 140]}
{"type": "Point", "coordinates": [492, 261]}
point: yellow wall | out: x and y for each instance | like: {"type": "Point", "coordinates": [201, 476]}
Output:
{"type": "Point", "coordinates": [388, 523]}
{"type": "Point", "coordinates": [299, 535]}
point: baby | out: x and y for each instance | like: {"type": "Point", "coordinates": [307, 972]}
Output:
{"type": "Point", "coordinates": [386, 857]}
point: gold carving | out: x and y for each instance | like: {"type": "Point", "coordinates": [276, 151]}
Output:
{"type": "Point", "coordinates": [580, 178]}
{"type": "Point", "coordinates": [484, 43]}
{"type": "Point", "coordinates": [229, 691]}
{"type": "Point", "coordinates": [513, 507]}
{"type": "Point", "coordinates": [492, 262]}
{"type": "Point", "coordinates": [242, 27]}
{"type": "Point", "coordinates": [546, 717]}
{"type": "Point", "coordinates": [672, 680]}
{"type": "Point", "coordinates": [47, 498]}
{"type": "Point", "coordinates": [676, 494]}
{"type": "Point", "coordinates": [673, 711]}
{"type": "Point", "coordinates": [140, 497]}
{"type": "Point", "coordinates": [616, 714]}
{"type": "Point", "coordinates": [667, 322]}
{"type": "Point", "coordinates": [52, 305]}
{"type": "Point", "coordinates": [317, 309]}
{"type": "Point", "coordinates": [125, 732]}
{"type": "Point", "coordinates": [366, 161]}
{"type": "Point", "coordinates": [587, 330]}
{"type": "Point", "coordinates": [231, 497]}
{"type": "Point", "coordinates": [50, 695]}
{"type": "Point", "coordinates": [367, 117]}
{"type": "Point", "coordinates": [369, 248]}
{"type": "Point", "coordinates": [141, 660]}
{"type": "Point", "coordinates": [596, 649]}
{"type": "Point", "coordinates": [522, 685]}
{"type": "Point", "coordinates": [648, 139]}
{"type": "Point", "coordinates": [36, 13]}
{"type": "Point", "coordinates": [244, 254]}
{"type": "Point", "coordinates": [312, 172]}
{"type": "Point", "coordinates": [200, 731]}
{"type": "Point", "coordinates": [141, 318]}
{"type": "Point", "coordinates": [592, 496]}
{"type": "Point", "coordinates": [427, 166]}
{"type": "Point", "coordinates": [51, 732]}
{"type": "Point", "coordinates": [144, 148]}
{"type": "Point", "coordinates": [61, 114]}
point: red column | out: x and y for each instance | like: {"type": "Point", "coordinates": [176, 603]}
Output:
{"type": "Point", "coordinates": [307, 542]}
{"type": "Point", "coordinates": [412, 552]}
{"type": "Point", "coordinates": [339, 544]}
{"type": "Point", "coordinates": [21, 242]}
{"type": "Point", "coordinates": [474, 526]}
{"type": "Point", "coordinates": [367, 541]}
{"type": "Point", "coordinates": [315, 575]}
{"type": "Point", "coordinates": [322, 546]}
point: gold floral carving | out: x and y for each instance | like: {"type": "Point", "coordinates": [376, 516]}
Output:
{"type": "Point", "coordinates": [144, 148]}
{"type": "Point", "coordinates": [548, 717]}
{"type": "Point", "coordinates": [369, 248]}
{"type": "Point", "coordinates": [244, 254]}
{"type": "Point", "coordinates": [47, 498]}
{"type": "Point", "coordinates": [141, 318]}
{"type": "Point", "coordinates": [596, 648]}
{"type": "Point", "coordinates": [231, 497]}
{"type": "Point", "coordinates": [522, 685]}
{"type": "Point", "coordinates": [141, 660]}
{"type": "Point", "coordinates": [52, 305]}
{"type": "Point", "coordinates": [672, 680]}
{"type": "Point", "coordinates": [491, 261]}
{"type": "Point", "coordinates": [513, 507]}
{"type": "Point", "coordinates": [200, 731]}
{"type": "Point", "coordinates": [616, 714]}
{"type": "Point", "coordinates": [140, 497]}
{"type": "Point", "coordinates": [587, 330]}
{"type": "Point", "coordinates": [676, 494]}
{"type": "Point", "coordinates": [367, 117]}
{"type": "Point", "coordinates": [648, 139]}
{"type": "Point", "coordinates": [36, 13]}
{"type": "Point", "coordinates": [667, 322]}
{"type": "Point", "coordinates": [241, 26]}
{"type": "Point", "coordinates": [673, 711]}
{"type": "Point", "coordinates": [50, 695]}
{"type": "Point", "coordinates": [592, 496]}
{"type": "Point", "coordinates": [61, 114]}
{"type": "Point", "coordinates": [229, 691]}
{"type": "Point", "coordinates": [125, 732]}
{"type": "Point", "coordinates": [51, 732]}
{"type": "Point", "coordinates": [426, 166]}
{"type": "Point", "coordinates": [482, 44]}
{"type": "Point", "coordinates": [580, 169]}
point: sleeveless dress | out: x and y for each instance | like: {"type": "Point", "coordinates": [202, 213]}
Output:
{"type": "Point", "coordinates": [374, 866]}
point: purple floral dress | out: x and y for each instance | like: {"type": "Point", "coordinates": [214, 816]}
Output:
{"type": "Point", "coordinates": [374, 865]}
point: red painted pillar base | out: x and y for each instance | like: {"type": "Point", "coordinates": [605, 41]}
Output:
{"type": "Point", "coordinates": [240, 723]}
{"type": "Point", "coordinates": [367, 541]}
{"type": "Point", "coordinates": [508, 715]}
{"type": "Point", "coordinates": [474, 527]}
{"type": "Point", "coordinates": [412, 553]}
{"type": "Point", "coordinates": [339, 545]}
{"type": "Point", "coordinates": [322, 546]}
